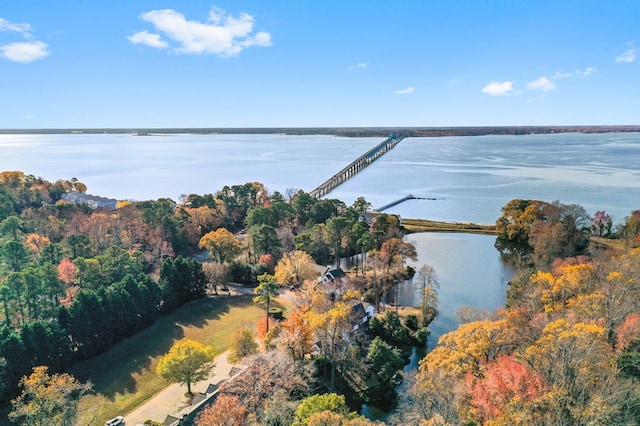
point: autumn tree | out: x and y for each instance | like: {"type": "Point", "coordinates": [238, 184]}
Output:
{"type": "Point", "coordinates": [428, 280]}
{"type": "Point", "coordinates": [394, 252]}
{"type": "Point", "coordinates": [601, 224]}
{"type": "Point", "coordinates": [317, 404]}
{"type": "Point", "coordinates": [574, 359]}
{"type": "Point", "coordinates": [223, 246]}
{"type": "Point", "coordinates": [294, 268]}
{"type": "Point", "coordinates": [36, 243]}
{"type": "Point", "coordinates": [466, 349]}
{"type": "Point", "coordinates": [186, 362]}
{"type": "Point", "coordinates": [47, 399]}
{"type": "Point", "coordinates": [243, 343]}
{"type": "Point", "coordinates": [225, 411]}
{"type": "Point", "coordinates": [628, 345]}
{"type": "Point", "coordinates": [331, 329]}
{"type": "Point", "coordinates": [514, 226]}
{"type": "Point", "coordinates": [506, 393]}
{"type": "Point", "coordinates": [266, 291]}
{"type": "Point", "coordinates": [270, 377]}
{"type": "Point", "coordinates": [67, 271]}
{"type": "Point", "coordinates": [296, 334]}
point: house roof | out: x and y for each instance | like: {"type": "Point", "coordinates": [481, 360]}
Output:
{"type": "Point", "coordinates": [336, 273]}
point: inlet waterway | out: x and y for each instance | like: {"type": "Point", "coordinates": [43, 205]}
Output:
{"type": "Point", "coordinates": [470, 272]}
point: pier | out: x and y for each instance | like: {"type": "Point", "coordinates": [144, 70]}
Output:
{"type": "Point", "coordinates": [356, 166]}
{"type": "Point", "coordinates": [386, 206]}
{"type": "Point", "coordinates": [401, 200]}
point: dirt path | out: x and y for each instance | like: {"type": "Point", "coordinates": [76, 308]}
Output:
{"type": "Point", "coordinates": [171, 400]}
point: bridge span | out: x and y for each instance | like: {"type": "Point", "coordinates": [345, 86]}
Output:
{"type": "Point", "coordinates": [356, 166]}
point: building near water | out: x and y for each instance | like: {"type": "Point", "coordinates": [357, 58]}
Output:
{"type": "Point", "coordinates": [93, 201]}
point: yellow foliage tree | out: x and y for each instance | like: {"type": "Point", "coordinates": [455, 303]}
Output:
{"type": "Point", "coordinates": [35, 243]}
{"type": "Point", "coordinates": [568, 282]}
{"type": "Point", "coordinates": [471, 345]}
{"type": "Point", "coordinates": [577, 363]}
{"type": "Point", "coordinates": [294, 268]}
{"type": "Point", "coordinates": [222, 245]}
{"type": "Point", "coordinates": [243, 343]}
{"type": "Point", "coordinates": [186, 362]}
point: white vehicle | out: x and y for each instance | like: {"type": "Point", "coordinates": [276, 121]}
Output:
{"type": "Point", "coordinates": [116, 421]}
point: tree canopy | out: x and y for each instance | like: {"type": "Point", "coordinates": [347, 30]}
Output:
{"type": "Point", "coordinates": [186, 363]}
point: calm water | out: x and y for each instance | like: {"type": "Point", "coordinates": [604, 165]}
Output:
{"type": "Point", "coordinates": [470, 177]}
{"type": "Point", "coordinates": [470, 273]}
{"type": "Point", "coordinates": [473, 177]}
{"type": "Point", "coordinates": [152, 167]}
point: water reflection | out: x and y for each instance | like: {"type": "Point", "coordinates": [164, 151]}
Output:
{"type": "Point", "coordinates": [470, 271]}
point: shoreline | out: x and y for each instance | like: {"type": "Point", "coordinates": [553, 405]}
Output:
{"type": "Point", "coordinates": [425, 225]}
{"type": "Point", "coordinates": [409, 131]}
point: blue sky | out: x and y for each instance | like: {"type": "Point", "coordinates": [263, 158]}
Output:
{"type": "Point", "coordinates": [286, 63]}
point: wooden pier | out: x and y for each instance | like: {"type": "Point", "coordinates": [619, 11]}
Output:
{"type": "Point", "coordinates": [356, 166]}
{"type": "Point", "coordinates": [403, 199]}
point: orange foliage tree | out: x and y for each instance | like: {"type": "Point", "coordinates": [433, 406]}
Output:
{"type": "Point", "coordinates": [226, 410]}
{"type": "Point", "coordinates": [505, 391]}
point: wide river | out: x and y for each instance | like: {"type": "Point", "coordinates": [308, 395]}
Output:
{"type": "Point", "coordinates": [464, 179]}
{"type": "Point", "coordinates": [470, 178]}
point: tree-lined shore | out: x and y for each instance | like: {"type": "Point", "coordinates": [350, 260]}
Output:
{"type": "Point", "coordinates": [342, 131]}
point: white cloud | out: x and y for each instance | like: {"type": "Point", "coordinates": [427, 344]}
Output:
{"type": "Point", "coordinates": [543, 84]}
{"type": "Point", "coordinates": [404, 91]}
{"type": "Point", "coordinates": [148, 39]}
{"type": "Point", "coordinates": [24, 51]}
{"type": "Point", "coordinates": [360, 66]}
{"type": "Point", "coordinates": [561, 75]}
{"type": "Point", "coordinates": [627, 57]}
{"type": "Point", "coordinates": [586, 72]}
{"type": "Point", "coordinates": [221, 34]}
{"type": "Point", "coordinates": [496, 88]}
{"type": "Point", "coordinates": [11, 26]}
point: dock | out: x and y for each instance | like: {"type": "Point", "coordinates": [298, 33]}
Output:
{"type": "Point", "coordinates": [356, 166]}
{"type": "Point", "coordinates": [393, 203]}
{"type": "Point", "coordinates": [401, 200]}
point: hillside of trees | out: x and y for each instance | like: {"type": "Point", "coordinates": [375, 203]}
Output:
{"type": "Point", "coordinates": [565, 350]}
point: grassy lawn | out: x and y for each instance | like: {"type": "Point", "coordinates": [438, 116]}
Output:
{"type": "Point", "coordinates": [124, 377]}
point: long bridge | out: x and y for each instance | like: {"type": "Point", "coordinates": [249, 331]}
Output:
{"type": "Point", "coordinates": [356, 166]}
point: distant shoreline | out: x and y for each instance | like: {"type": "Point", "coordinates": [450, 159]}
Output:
{"type": "Point", "coordinates": [342, 131]}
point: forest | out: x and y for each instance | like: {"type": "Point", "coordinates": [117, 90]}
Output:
{"type": "Point", "coordinates": [565, 350]}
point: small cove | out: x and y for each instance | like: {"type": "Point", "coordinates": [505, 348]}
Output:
{"type": "Point", "coordinates": [470, 272]}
